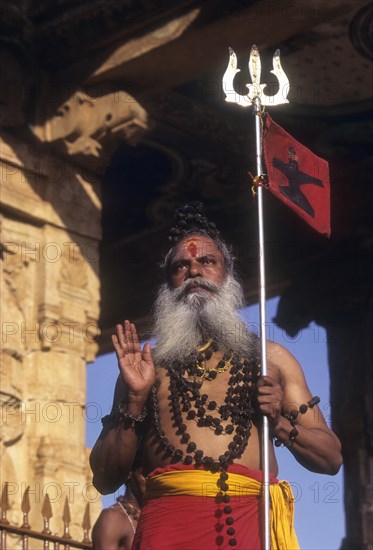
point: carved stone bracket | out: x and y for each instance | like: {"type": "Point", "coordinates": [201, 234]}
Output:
{"type": "Point", "coordinates": [88, 125]}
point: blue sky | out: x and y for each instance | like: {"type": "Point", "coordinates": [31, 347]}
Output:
{"type": "Point", "coordinates": [319, 511]}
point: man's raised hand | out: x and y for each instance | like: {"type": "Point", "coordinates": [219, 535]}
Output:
{"type": "Point", "coordinates": [136, 366]}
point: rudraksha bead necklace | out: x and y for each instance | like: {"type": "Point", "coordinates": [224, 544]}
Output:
{"type": "Point", "coordinates": [233, 416]}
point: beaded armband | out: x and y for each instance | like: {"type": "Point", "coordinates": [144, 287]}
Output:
{"type": "Point", "coordinates": [292, 417]}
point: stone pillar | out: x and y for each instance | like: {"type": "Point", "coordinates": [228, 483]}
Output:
{"type": "Point", "coordinates": [54, 144]}
{"type": "Point", "coordinates": [50, 291]}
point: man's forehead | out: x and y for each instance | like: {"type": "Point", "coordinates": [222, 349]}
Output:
{"type": "Point", "coordinates": [191, 245]}
{"type": "Point", "coordinates": [197, 245]}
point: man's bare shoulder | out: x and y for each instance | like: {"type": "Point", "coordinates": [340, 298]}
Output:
{"type": "Point", "coordinates": [282, 361]}
{"type": "Point", "coordinates": [277, 353]}
{"type": "Point", "coordinates": [111, 514]}
{"type": "Point", "coordinates": [291, 375]}
{"type": "Point", "coordinates": [111, 524]}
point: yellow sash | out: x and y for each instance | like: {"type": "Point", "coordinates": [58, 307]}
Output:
{"type": "Point", "coordinates": [202, 483]}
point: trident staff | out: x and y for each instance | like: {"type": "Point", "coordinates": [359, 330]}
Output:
{"type": "Point", "coordinates": [256, 98]}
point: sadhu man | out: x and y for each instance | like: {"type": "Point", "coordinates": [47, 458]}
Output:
{"type": "Point", "coordinates": [193, 406]}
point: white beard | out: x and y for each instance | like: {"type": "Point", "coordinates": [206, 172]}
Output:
{"type": "Point", "coordinates": [185, 320]}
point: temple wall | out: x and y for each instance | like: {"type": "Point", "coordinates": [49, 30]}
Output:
{"type": "Point", "coordinates": [50, 234]}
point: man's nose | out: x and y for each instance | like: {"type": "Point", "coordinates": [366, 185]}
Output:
{"type": "Point", "coordinates": [194, 270]}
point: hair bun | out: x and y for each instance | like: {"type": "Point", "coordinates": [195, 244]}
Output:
{"type": "Point", "coordinates": [190, 219]}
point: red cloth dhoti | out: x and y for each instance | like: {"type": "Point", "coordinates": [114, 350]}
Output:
{"type": "Point", "coordinates": [197, 521]}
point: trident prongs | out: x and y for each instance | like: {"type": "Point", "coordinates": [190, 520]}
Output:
{"type": "Point", "coordinates": [256, 90]}
{"type": "Point", "coordinates": [228, 78]}
{"type": "Point", "coordinates": [255, 68]}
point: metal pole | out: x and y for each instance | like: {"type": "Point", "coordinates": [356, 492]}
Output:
{"type": "Point", "coordinates": [263, 341]}
{"type": "Point", "coordinates": [257, 98]}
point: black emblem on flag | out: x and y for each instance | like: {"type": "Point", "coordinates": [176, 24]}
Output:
{"type": "Point", "coordinates": [296, 178]}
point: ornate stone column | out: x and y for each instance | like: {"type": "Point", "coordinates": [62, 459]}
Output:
{"type": "Point", "coordinates": [50, 233]}
{"type": "Point", "coordinates": [50, 289]}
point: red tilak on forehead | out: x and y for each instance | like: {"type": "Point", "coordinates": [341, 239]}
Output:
{"type": "Point", "coordinates": [191, 246]}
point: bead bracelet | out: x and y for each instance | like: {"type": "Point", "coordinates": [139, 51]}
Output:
{"type": "Point", "coordinates": [292, 416]}
{"type": "Point", "coordinates": [126, 419]}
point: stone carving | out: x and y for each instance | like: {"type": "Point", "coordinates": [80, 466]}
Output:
{"type": "Point", "coordinates": [11, 364]}
{"type": "Point", "coordinates": [13, 322]}
{"type": "Point", "coordinates": [86, 119]}
{"type": "Point", "coordinates": [74, 270]}
{"type": "Point", "coordinates": [49, 298]}
{"type": "Point", "coordinates": [12, 426]}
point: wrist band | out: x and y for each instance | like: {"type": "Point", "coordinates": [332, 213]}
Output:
{"type": "Point", "coordinates": [128, 420]}
{"type": "Point", "coordinates": [292, 416]}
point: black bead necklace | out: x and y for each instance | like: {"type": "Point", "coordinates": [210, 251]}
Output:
{"type": "Point", "coordinates": [234, 416]}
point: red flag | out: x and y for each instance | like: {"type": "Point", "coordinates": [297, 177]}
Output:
{"type": "Point", "coordinates": [297, 176]}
